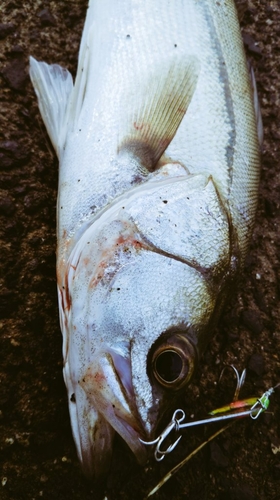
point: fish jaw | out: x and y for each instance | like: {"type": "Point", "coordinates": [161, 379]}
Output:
{"type": "Point", "coordinates": [101, 402]}
{"type": "Point", "coordinates": [108, 385]}
{"type": "Point", "coordinates": [93, 435]}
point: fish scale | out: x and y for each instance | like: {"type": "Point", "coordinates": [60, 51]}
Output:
{"type": "Point", "coordinates": [158, 172]}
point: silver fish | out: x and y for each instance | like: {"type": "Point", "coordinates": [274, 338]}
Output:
{"type": "Point", "coordinates": [158, 178]}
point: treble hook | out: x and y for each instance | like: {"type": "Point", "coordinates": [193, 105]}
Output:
{"type": "Point", "coordinates": [240, 379]}
{"type": "Point", "coordinates": [174, 424]}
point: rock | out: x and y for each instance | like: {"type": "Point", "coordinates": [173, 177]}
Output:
{"type": "Point", "coordinates": [270, 207]}
{"type": "Point", "coordinates": [242, 7]}
{"type": "Point", "coordinates": [13, 229]}
{"type": "Point", "coordinates": [217, 456]}
{"type": "Point", "coordinates": [12, 154]}
{"type": "Point", "coordinates": [15, 73]}
{"type": "Point", "coordinates": [16, 50]}
{"type": "Point", "coordinates": [46, 17]}
{"type": "Point", "coordinates": [7, 302]}
{"type": "Point", "coordinates": [33, 201]}
{"type": "Point", "coordinates": [5, 30]}
{"type": "Point", "coordinates": [23, 439]}
{"type": "Point", "coordinates": [275, 444]}
{"type": "Point", "coordinates": [260, 299]}
{"type": "Point", "coordinates": [256, 364]}
{"type": "Point", "coordinates": [252, 320]}
{"type": "Point", "coordinates": [7, 206]}
{"type": "Point", "coordinates": [251, 44]}
{"type": "Point", "coordinates": [242, 492]}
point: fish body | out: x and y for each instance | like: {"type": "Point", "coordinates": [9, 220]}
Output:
{"type": "Point", "coordinates": [158, 176]}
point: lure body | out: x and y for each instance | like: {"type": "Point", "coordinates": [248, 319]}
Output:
{"type": "Point", "coordinates": [159, 167]}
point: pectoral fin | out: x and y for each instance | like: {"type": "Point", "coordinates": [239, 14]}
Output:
{"type": "Point", "coordinates": [153, 117]}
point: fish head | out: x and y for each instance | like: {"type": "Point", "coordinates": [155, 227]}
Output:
{"type": "Point", "coordinates": [145, 283]}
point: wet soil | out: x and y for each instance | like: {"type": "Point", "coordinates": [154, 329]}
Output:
{"type": "Point", "coordinates": [38, 457]}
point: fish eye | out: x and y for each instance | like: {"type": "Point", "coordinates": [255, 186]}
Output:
{"type": "Point", "coordinates": [168, 365]}
{"type": "Point", "coordinates": [173, 362]}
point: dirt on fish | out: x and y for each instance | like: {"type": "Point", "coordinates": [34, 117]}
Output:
{"type": "Point", "coordinates": [38, 457]}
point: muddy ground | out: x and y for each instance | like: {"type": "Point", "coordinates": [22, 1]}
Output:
{"type": "Point", "coordinates": [38, 458]}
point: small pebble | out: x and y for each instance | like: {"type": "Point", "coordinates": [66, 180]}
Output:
{"type": "Point", "coordinates": [252, 320]}
{"type": "Point", "coordinates": [9, 441]}
{"type": "Point", "coordinates": [15, 73]}
{"type": "Point", "coordinates": [33, 201]}
{"type": "Point", "coordinates": [7, 206]}
{"type": "Point", "coordinates": [275, 445]}
{"type": "Point", "coordinates": [46, 18]}
{"type": "Point", "coordinates": [12, 154]}
{"type": "Point", "coordinates": [5, 30]}
{"type": "Point", "coordinates": [242, 492]}
{"type": "Point", "coordinates": [251, 44]}
{"type": "Point", "coordinates": [256, 364]}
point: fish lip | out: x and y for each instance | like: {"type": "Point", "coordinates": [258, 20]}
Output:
{"type": "Point", "coordinates": [107, 383]}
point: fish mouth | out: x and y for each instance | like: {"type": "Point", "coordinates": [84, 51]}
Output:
{"type": "Point", "coordinates": [107, 383]}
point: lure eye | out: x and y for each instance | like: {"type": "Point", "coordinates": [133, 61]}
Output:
{"type": "Point", "coordinates": [174, 361]}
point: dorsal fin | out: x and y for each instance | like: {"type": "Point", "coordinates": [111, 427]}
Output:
{"type": "Point", "coordinates": [156, 113]}
{"type": "Point", "coordinates": [53, 86]}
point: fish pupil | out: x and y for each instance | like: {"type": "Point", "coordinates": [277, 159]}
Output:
{"type": "Point", "coordinates": [169, 366]}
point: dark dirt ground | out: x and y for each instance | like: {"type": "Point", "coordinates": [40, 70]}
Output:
{"type": "Point", "coordinates": [38, 458]}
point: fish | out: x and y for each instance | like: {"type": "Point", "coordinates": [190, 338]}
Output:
{"type": "Point", "coordinates": [159, 160]}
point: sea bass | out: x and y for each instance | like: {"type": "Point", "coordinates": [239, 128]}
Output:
{"type": "Point", "coordinates": [158, 177]}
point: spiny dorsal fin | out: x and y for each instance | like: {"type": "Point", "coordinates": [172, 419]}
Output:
{"type": "Point", "coordinates": [53, 86]}
{"type": "Point", "coordinates": [158, 110]}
